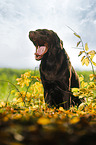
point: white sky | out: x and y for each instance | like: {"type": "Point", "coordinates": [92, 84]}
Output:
{"type": "Point", "coordinates": [18, 17]}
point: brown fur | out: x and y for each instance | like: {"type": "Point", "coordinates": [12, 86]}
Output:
{"type": "Point", "coordinates": [57, 74]}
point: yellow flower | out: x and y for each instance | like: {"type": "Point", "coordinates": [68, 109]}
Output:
{"type": "Point", "coordinates": [24, 80]}
{"type": "Point", "coordinates": [17, 94]}
{"type": "Point", "coordinates": [5, 119]}
{"type": "Point", "coordinates": [18, 80]}
{"type": "Point", "coordinates": [37, 78]}
{"type": "Point", "coordinates": [28, 94]}
{"type": "Point", "coordinates": [13, 91]}
{"type": "Point", "coordinates": [43, 121]}
{"type": "Point", "coordinates": [2, 104]}
{"type": "Point", "coordinates": [74, 120]}
{"type": "Point", "coordinates": [23, 93]}
{"type": "Point", "coordinates": [16, 116]}
{"type": "Point", "coordinates": [27, 74]}
{"type": "Point", "coordinates": [27, 81]}
{"type": "Point", "coordinates": [61, 109]}
{"type": "Point", "coordinates": [34, 77]}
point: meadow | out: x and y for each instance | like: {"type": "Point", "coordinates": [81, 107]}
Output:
{"type": "Point", "coordinates": [7, 74]}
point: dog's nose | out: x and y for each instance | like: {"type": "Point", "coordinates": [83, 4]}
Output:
{"type": "Point", "coordinates": [31, 33]}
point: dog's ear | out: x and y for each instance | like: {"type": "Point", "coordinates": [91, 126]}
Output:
{"type": "Point", "coordinates": [61, 44]}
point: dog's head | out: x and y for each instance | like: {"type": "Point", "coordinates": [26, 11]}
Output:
{"type": "Point", "coordinates": [44, 41]}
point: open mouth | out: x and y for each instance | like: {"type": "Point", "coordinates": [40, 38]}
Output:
{"type": "Point", "coordinates": [41, 47]}
{"type": "Point", "coordinates": [40, 51]}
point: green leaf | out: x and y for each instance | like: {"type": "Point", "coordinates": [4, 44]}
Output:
{"type": "Point", "coordinates": [81, 96]}
{"type": "Point", "coordinates": [91, 85]}
{"type": "Point", "coordinates": [78, 43]}
{"type": "Point", "coordinates": [81, 78]}
{"type": "Point", "coordinates": [75, 89]}
{"type": "Point", "coordinates": [83, 84]}
{"type": "Point", "coordinates": [77, 35]}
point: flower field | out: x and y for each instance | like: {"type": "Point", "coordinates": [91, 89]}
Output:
{"type": "Point", "coordinates": [26, 119]}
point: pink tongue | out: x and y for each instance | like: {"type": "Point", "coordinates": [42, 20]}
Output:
{"type": "Point", "coordinates": [41, 50]}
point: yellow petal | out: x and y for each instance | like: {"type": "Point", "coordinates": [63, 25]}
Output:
{"type": "Point", "coordinates": [86, 47]}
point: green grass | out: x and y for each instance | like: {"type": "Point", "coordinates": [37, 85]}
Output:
{"type": "Point", "coordinates": [12, 74]}
{"type": "Point", "coordinates": [85, 74]}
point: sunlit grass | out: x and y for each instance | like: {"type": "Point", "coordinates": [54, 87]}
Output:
{"type": "Point", "coordinates": [12, 74]}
